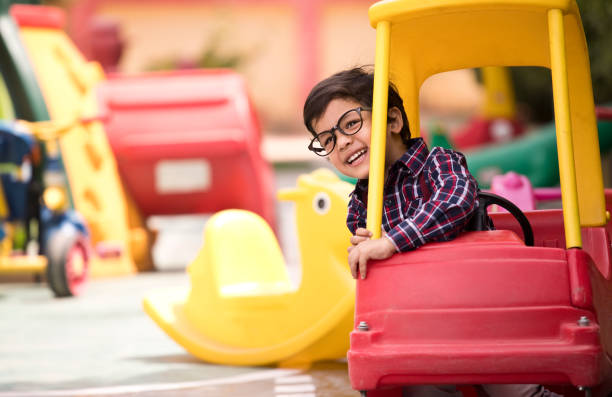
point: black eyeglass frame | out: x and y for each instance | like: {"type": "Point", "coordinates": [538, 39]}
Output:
{"type": "Point", "coordinates": [331, 131]}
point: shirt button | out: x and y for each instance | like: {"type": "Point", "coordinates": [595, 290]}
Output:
{"type": "Point", "coordinates": [388, 202]}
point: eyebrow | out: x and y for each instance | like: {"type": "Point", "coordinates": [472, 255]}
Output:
{"type": "Point", "coordinates": [323, 132]}
{"type": "Point", "coordinates": [337, 122]}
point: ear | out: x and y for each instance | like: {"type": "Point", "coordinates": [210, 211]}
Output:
{"type": "Point", "coordinates": [395, 123]}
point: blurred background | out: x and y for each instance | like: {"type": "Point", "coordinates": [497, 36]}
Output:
{"type": "Point", "coordinates": [283, 47]}
{"type": "Point", "coordinates": [160, 142]}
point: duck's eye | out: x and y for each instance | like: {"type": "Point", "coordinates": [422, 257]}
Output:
{"type": "Point", "coordinates": [321, 203]}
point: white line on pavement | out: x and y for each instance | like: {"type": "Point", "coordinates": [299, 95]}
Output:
{"type": "Point", "coordinates": [294, 379]}
{"type": "Point", "coordinates": [297, 395]}
{"type": "Point", "coordinates": [114, 390]}
{"type": "Point", "coordinates": [307, 387]}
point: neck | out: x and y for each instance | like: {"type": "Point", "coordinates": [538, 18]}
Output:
{"type": "Point", "coordinates": [395, 151]}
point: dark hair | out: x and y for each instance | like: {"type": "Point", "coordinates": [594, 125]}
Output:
{"type": "Point", "coordinates": [356, 84]}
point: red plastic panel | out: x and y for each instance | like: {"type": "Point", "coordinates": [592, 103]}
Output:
{"type": "Point", "coordinates": [596, 242]}
{"type": "Point", "coordinates": [482, 308]}
{"type": "Point", "coordinates": [602, 296]}
{"type": "Point", "coordinates": [580, 286]}
{"type": "Point", "coordinates": [467, 273]}
{"type": "Point", "coordinates": [547, 226]}
{"type": "Point", "coordinates": [549, 232]}
{"type": "Point", "coordinates": [38, 16]}
{"type": "Point", "coordinates": [480, 131]}
{"type": "Point", "coordinates": [188, 142]}
{"type": "Point", "coordinates": [603, 112]}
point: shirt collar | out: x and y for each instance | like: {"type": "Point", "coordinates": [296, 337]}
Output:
{"type": "Point", "coordinates": [413, 159]}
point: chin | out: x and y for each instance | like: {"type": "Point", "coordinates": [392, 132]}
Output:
{"type": "Point", "coordinates": [358, 174]}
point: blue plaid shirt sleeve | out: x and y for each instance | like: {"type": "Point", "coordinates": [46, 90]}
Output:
{"type": "Point", "coordinates": [357, 211]}
{"type": "Point", "coordinates": [446, 213]}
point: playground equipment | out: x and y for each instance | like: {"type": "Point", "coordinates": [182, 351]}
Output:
{"type": "Point", "coordinates": [516, 188]}
{"type": "Point", "coordinates": [188, 142]}
{"type": "Point", "coordinates": [37, 216]}
{"type": "Point", "coordinates": [498, 122]}
{"type": "Point", "coordinates": [533, 154]}
{"type": "Point", "coordinates": [38, 232]}
{"type": "Point", "coordinates": [242, 308]}
{"type": "Point", "coordinates": [485, 308]}
{"type": "Point", "coordinates": [69, 84]}
{"type": "Point", "coordinates": [6, 109]}
{"type": "Point", "coordinates": [198, 151]}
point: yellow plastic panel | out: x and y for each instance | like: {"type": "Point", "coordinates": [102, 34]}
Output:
{"type": "Point", "coordinates": [4, 209]}
{"type": "Point", "coordinates": [240, 278]}
{"type": "Point", "coordinates": [6, 106]}
{"type": "Point", "coordinates": [69, 84]}
{"type": "Point", "coordinates": [499, 93]}
{"type": "Point", "coordinates": [561, 97]}
{"type": "Point", "coordinates": [242, 308]}
{"type": "Point", "coordinates": [434, 36]}
{"type": "Point", "coordinates": [379, 126]}
{"type": "Point", "coordinates": [22, 264]}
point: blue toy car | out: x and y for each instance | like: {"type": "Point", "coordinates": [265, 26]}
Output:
{"type": "Point", "coordinates": [39, 232]}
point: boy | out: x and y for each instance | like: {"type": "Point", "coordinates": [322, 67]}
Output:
{"type": "Point", "coordinates": [428, 196]}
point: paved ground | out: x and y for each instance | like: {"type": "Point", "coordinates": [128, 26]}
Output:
{"type": "Point", "coordinates": [103, 343]}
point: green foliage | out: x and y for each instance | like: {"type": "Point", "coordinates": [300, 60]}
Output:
{"type": "Point", "coordinates": [212, 55]}
{"type": "Point", "coordinates": [533, 85]}
{"type": "Point", "coordinates": [597, 22]}
{"type": "Point", "coordinates": [533, 92]}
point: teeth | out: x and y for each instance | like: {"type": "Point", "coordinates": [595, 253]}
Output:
{"type": "Point", "coordinates": [355, 156]}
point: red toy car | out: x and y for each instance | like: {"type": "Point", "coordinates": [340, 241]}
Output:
{"type": "Point", "coordinates": [489, 307]}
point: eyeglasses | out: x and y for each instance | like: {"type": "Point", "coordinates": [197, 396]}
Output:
{"type": "Point", "coordinates": [348, 124]}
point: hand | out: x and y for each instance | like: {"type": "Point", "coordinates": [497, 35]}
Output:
{"type": "Point", "coordinates": [360, 254]}
{"type": "Point", "coordinates": [360, 236]}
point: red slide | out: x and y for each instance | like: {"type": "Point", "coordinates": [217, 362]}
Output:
{"type": "Point", "coordinates": [188, 142]}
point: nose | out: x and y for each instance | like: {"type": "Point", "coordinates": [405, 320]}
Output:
{"type": "Point", "coordinates": [343, 141]}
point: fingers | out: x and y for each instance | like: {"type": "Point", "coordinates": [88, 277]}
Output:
{"type": "Point", "coordinates": [358, 260]}
{"type": "Point", "coordinates": [363, 262]}
{"type": "Point", "coordinates": [372, 249]}
{"type": "Point", "coordinates": [358, 239]}
{"type": "Point", "coordinates": [353, 260]}
{"type": "Point", "coordinates": [363, 232]}
{"type": "Point", "coordinates": [360, 236]}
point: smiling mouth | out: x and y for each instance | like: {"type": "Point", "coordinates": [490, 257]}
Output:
{"type": "Point", "coordinates": [356, 155]}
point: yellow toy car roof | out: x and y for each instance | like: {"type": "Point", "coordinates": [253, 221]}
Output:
{"type": "Point", "coordinates": [417, 39]}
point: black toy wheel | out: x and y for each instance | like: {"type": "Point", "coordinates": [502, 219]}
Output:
{"type": "Point", "coordinates": [480, 219]}
{"type": "Point", "coordinates": [67, 261]}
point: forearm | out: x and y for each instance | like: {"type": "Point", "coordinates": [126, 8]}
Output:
{"type": "Point", "coordinates": [435, 221]}
{"type": "Point", "coordinates": [357, 214]}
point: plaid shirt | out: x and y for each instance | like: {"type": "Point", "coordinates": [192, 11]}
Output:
{"type": "Point", "coordinates": [412, 216]}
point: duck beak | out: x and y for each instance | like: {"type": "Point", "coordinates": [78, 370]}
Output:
{"type": "Point", "coordinates": [291, 194]}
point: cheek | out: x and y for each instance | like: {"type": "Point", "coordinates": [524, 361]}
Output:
{"type": "Point", "coordinates": [365, 133]}
{"type": "Point", "coordinates": [333, 158]}
{"type": "Point", "coordinates": [367, 126]}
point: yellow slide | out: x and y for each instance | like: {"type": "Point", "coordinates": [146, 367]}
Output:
{"type": "Point", "coordinates": [68, 83]}
{"type": "Point", "coordinates": [243, 309]}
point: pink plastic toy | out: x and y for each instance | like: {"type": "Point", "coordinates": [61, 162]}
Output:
{"type": "Point", "coordinates": [516, 188]}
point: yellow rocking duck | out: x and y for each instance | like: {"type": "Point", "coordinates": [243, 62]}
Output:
{"type": "Point", "coordinates": [243, 309]}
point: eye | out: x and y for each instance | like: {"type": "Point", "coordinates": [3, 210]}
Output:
{"type": "Point", "coordinates": [326, 139]}
{"type": "Point", "coordinates": [321, 203]}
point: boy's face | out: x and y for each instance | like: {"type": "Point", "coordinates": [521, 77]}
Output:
{"type": "Point", "coordinates": [351, 155]}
